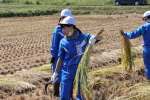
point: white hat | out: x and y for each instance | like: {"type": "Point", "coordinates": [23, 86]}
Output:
{"type": "Point", "coordinates": [66, 12]}
{"type": "Point", "coordinates": [68, 20]}
{"type": "Point", "coordinates": [147, 13]}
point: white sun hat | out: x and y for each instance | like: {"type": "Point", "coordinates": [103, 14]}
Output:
{"type": "Point", "coordinates": [66, 12]}
{"type": "Point", "coordinates": [147, 13]}
{"type": "Point", "coordinates": [68, 20]}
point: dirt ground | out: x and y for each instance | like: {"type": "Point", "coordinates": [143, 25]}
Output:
{"type": "Point", "coordinates": [25, 43]}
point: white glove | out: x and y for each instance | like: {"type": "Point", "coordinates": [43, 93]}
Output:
{"type": "Point", "coordinates": [92, 40]}
{"type": "Point", "coordinates": [55, 77]}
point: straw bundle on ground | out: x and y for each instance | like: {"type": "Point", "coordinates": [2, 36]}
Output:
{"type": "Point", "coordinates": [15, 85]}
{"type": "Point", "coordinates": [127, 60]}
{"type": "Point", "coordinates": [81, 74]}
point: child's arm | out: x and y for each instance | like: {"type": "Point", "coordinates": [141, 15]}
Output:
{"type": "Point", "coordinates": [58, 65]}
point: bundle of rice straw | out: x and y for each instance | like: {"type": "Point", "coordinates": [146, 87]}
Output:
{"type": "Point", "coordinates": [127, 60]}
{"type": "Point", "coordinates": [81, 74]}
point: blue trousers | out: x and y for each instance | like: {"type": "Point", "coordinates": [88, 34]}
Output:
{"type": "Point", "coordinates": [68, 76]}
{"type": "Point", "coordinates": [146, 58]}
{"type": "Point", "coordinates": [53, 69]}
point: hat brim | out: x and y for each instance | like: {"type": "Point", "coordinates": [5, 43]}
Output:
{"type": "Point", "coordinates": [62, 24]}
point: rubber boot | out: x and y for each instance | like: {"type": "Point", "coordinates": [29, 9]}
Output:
{"type": "Point", "coordinates": [56, 89]}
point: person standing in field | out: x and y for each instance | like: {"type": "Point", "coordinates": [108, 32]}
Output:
{"type": "Point", "coordinates": [71, 49]}
{"type": "Point", "coordinates": [143, 31]}
{"type": "Point", "coordinates": [57, 36]}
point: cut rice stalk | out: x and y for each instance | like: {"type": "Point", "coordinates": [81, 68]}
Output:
{"type": "Point", "coordinates": [127, 60]}
{"type": "Point", "coordinates": [81, 74]}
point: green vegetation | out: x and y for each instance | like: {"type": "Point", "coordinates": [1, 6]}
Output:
{"type": "Point", "coordinates": [38, 10]}
{"type": "Point", "coordinates": [6, 81]}
{"type": "Point", "coordinates": [138, 60]}
{"type": "Point", "coordinates": [105, 71]}
{"type": "Point", "coordinates": [26, 10]}
{"type": "Point", "coordinates": [43, 68]}
{"type": "Point", "coordinates": [60, 2]}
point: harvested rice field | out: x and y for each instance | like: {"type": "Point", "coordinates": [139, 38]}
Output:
{"type": "Point", "coordinates": [25, 58]}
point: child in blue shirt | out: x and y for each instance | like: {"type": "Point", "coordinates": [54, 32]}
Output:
{"type": "Point", "coordinates": [57, 36]}
{"type": "Point", "coordinates": [143, 31]}
{"type": "Point", "coordinates": [70, 53]}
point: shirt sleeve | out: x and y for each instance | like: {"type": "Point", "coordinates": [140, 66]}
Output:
{"type": "Point", "coordinates": [61, 52]}
{"type": "Point", "coordinates": [88, 36]}
{"type": "Point", "coordinates": [136, 33]}
{"type": "Point", "coordinates": [55, 43]}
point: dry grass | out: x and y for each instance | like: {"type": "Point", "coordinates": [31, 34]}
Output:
{"type": "Point", "coordinates": [25, 43]}
{"type": "Point", "coordinates": [15, 85]}
{"type": "Point", "coordinates": [127, 59]}
{"type": "Point", "coordinates": [138, 91]}
{"type": "Point", "coordinates": [119, 84]}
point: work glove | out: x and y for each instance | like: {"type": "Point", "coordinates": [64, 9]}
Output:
{"type": "Point", "coordinates": [55, 77]}
{"type": "Point", "coordinates": [52, 60]}
{"type": "Point", "coordinates": [92, 40]}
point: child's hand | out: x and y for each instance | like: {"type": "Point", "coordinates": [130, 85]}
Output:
{"type": "Point", "coordinates": [122, 32]}
{"type": "Point", "coordinates": [55, 77]}
{"type": "Point", "coordinates": [92, 40]}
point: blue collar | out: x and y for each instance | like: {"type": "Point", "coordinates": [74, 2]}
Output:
{"type": "Point", "coordinates": [148, 22]}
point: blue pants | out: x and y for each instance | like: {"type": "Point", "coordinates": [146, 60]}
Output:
{"type": "Point", "coordinates": [53, 69]}
{"type": "Point", "coordinates": [68, 75]}
{"type": "Point", "coordinates": [146, 58]}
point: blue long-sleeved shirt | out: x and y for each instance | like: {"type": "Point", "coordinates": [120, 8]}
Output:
{"type": "Point", "coordinates": [71, 50]}
{"type": "Point", "coordinates": [57, 36]}
{"type": "Point", "coordinates": [143, 30]}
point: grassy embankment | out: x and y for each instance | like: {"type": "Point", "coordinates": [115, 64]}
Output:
{"type": "Point", "coordinates": [38, 10]}
{"type": "Point", "coordinates": [61, 2]}
{"type": "Point", "coordinates": [25, 8]}
{"type": "Point", "coordinates": [64, 2]}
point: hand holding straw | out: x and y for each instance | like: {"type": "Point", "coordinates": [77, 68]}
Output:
{"type": "Point", "coordinates": [81, 74]}
{"type": "Point", "coordinates": [121, 32]}
{"type": "Point", "coordinates": [126, 60]}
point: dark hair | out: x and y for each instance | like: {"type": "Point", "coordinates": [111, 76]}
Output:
{"type": "Point", "coordinates": [61, 18]}
{"type": "Point", "coordinates": [78, 30]}
{"type": "Point", "coordinates": [69, 25]}
{"type": "Point", "coordinates": [148, 17]}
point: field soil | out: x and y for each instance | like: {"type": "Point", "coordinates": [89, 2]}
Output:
{"type": "Point", "coordinates": [25, 44]}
